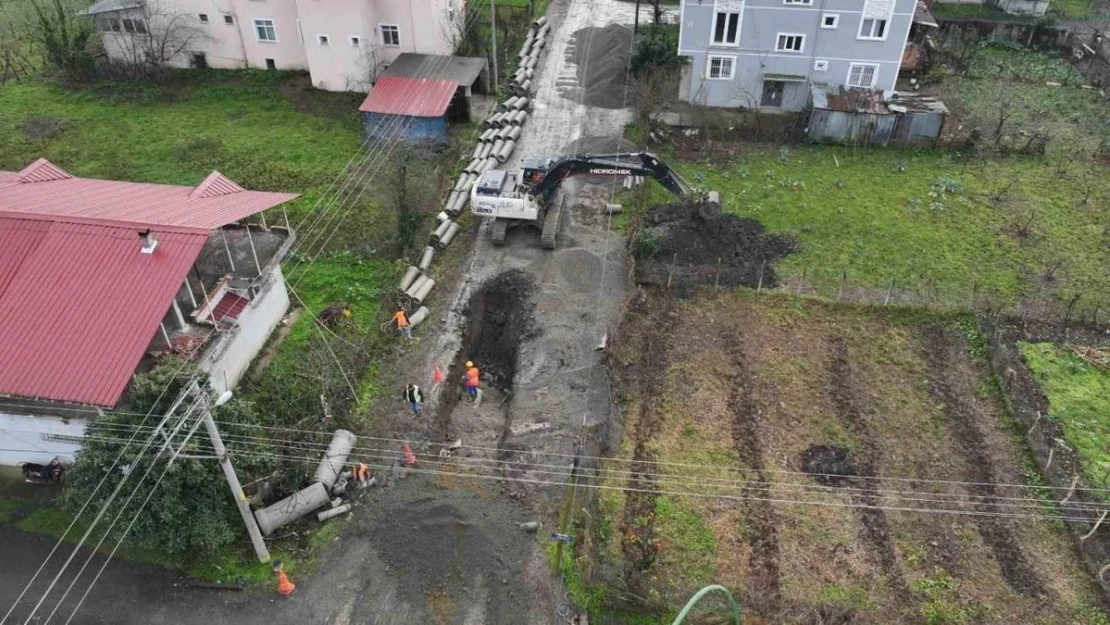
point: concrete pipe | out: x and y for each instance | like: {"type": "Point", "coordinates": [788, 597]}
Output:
{"type": "Point", "coordinates": [291, 508]}
{"type": "Point", "coordinates": [472, 166]}
{"type": "Point", "coordinates": [436, 234]}
{"type": "Point", "coordinates": [519, 118]}
{"type": "Point", "coordinates": [509, 104]}
{"type": "Point", "coordinates": [526, 86]}
{"type": "Point", "coordinates": [487, 136]}
{"type": "Point", "coordinates": [539, 43]}
{"type": "Point", "coordinates": [477, 149]}
{"type": "Point", "coordinates": [506, 151]}
{"type": "Point", "coordinates": [528, 73]}
{"type": "Point", "coordinates": [540, 21]}
{"type": "Point", "coordinates": [497, 145]}
{"type": "Point", "coordinates": [416, 286]}
{"type": "Point", "coordinates": [521, 103]}
{"type": "Point", "coordinates": [489, 120]}
{"type": "Point", "coordinates": [426, 286]}
{"type": "Point", "coordinates": [514, 133]}
{"type": "Point", "coordinates": [505, 132]}
{"type": "Point", "coordinates": [442, 216]}
{"type": "Point", "coordinates": [426, 258]}
{"type": "Point", "coordinates": [450, 234]}
{"type": "Point", "coordinates": [544, 28]}
{"type": "Point", "coordinates": [490, 163]}
{"type": "Point", "coordinates": [419, 316]}
{"type": "Point", "coordinates": [460, 203]}
{"type": "Point", "coordinates": [327, 514]}
{"type": "Point", "coordinates": [530, 62]}
{"type": "Point", "coordinates": [484, 154]}
{"type": "Point", "coordinates": [331, 466]}
{"type": "Point", "coordinates": [410, 275]}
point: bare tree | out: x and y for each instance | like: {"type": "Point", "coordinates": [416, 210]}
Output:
{"type": "Point", "coordinates": [371, 63]}
{"type": "Point", "coordinates": [15, 58]}
{"type": "Point", "coordinates": [152, 37]}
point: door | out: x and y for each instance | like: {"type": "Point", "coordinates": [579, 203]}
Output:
{"type": "Point", "coordinates": [772, 93]}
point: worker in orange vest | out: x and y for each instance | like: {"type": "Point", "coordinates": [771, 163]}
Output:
{"type": "Point", "coordinates": [401, 318]}
{"type": "Point", "coordinates": [361, 472]}
{"type": "Point", "coordinates": [471, 381]}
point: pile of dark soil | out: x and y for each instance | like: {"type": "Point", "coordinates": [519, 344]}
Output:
{"type": "Point", "coordinates": [829, 465]}
{"type": "Point", "coordinates": [688, 246]}
{"type": "Point", "coordinates": [602, 58]}
{"type": "Point", "coordinates": [499, 317]}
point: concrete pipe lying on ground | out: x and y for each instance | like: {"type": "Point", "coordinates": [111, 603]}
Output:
{"type": "Point", "coordinates": [521, 103]}
{"type": "Point", "coordinates": [442, 216]}
{"type": "Point", "coordinates": [334, 458]}
{"type": "Point", "coordinates": [477, 150]}
{"type": "Point", "coordinates": [509, 104]}
{"type": "Point", "coordinates": [416, 286]}
{"type": "Point", "coordinates": [410, 275]}
{"type": "Point", "coordinates": [489, 120]}
{"type": "Point", "coordinates": [426, 258]}
{"type": "Point", "coordinates": [544, 28]}
{"type": "Point", "coordinates": [514, 133]}
{"type": "Point", "coordinates": [528, 73]}
{"type": "Point", "coordinates": [465, 182]}
{"type": "Point", "coordinates": [327, 514]}
{"type": "Point", "coordinates": [450, 234]}
{"type": "Point", "coordinates": [291, 508]}
{"type": "Point", "coordinates": [497, 145]}
{"type": "Point", "coordinates": [540, 21]}
{"type": "Point", "coordinates": [436, 234]}
{"type": "Point", "coordinates": [530, 62]}
{"type": "Point", "coordinates": [425, 287]}
{"type": "Point", "coordinates": [506, 151]}
{"type": "Point", "coordinates": [459, 203]}
{"type": "Point", "coordinates": [519, 118]}
{"type": "Point", "coordinates": [487, 136]}
{"type": "Point", "coordinates": [490, 163]}
{"type": "Point", "coordinates": [526, 86]}
{"type": "Point", "coordinates": [503, 133]}
{"type": "Point", "coordinates": [486, 149]}
{"type": "Point", "coordinates": [472, 166]}
{"type": "Point", "coordinates": [419, 316]}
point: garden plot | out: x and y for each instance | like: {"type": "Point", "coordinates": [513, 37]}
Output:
{"type": "Point", "coordinates": [756, 432]}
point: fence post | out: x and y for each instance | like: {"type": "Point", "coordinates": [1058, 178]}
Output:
{"type": "Point", "coordinates": [762, 266]}
{"type": "Point", "coordinates": [974, 291]}
{"type": "Point", "coordinates": [843, 278]}
{"type": "Point", "coordinates": [717, 285]}
{"type": "Point", "coordinates": [805, 269]}
{"type": "Point", "coordinates": [670, 277]}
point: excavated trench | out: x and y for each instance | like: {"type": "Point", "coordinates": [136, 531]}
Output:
{"type": "Point", "coordinates": [499, 317]}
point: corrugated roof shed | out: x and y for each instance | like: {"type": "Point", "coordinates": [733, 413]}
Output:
{"type": "Point", "coordinates": [417, 97]}
{"type": "Point", "coordinates": [79, 304]}
{"type": "Point", "coordinates": [43, 188]}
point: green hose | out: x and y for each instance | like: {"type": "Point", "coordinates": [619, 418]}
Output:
{"type": "Point", "coordinates": [733, 606]}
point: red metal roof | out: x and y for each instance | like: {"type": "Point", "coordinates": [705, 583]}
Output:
{"type": "Point", "coordinates": [418, 97]}
{"type": "Point", "coordinates": [79, 303]}
{"type": "Point", "coordinates": [45, 189]}
{"type": "Point", "coordinates": [229, 307]}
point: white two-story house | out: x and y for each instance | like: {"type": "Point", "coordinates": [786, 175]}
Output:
{"type": "Point", "coordinates": [343, 44]}
{"type": "Point", "coordinates": [768, 53]}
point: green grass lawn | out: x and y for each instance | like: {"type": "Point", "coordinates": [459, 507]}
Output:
{"type": "Point", "coordinates": [921, 218]}
{"type": "Point", "coordinates": [1079, 400]}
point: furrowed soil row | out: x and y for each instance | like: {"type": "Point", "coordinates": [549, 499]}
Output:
{"type": "Point", "coordinates": [947, 387]}
{"type": "Point", "coordinates": [876, 528]}
{"type": "Point", "coordinates": [765, 594]}
{"type": "Point", "coordinates": [638, 523]}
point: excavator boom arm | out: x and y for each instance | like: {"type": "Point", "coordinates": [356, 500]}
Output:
{"type": "Point", "coordinates": [632, 164]}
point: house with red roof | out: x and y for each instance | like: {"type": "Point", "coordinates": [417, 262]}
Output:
{"type": "Point", "coordinates": [100, 278]}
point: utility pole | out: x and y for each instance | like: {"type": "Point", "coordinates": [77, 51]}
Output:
{"type": "Point", "coordinates": [493, 40]}
{"type": "Point", "coordinates": [229, 472]}
{"type": "Point", "coordinates": [636, 20]}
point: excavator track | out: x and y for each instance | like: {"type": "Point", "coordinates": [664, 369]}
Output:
{"type": "Point", "coordinates": [551, 224]}
{"type": "Point", "coordinates": [498, 230]}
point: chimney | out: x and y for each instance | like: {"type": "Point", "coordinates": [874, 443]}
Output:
{"type": "Point", "coordinates": [149, 242]}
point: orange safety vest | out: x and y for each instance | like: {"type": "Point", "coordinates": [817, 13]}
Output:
{"type": "Point", "coordinates": [401, 319]}
{"type": "Point", "coordinates": [472, 376]}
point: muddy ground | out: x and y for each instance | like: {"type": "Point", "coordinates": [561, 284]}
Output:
{"type": "Point", "coordinates": [793, 419]}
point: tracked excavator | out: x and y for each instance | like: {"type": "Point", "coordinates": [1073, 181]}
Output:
{"type": "Point", "coordinates": [526, 199]}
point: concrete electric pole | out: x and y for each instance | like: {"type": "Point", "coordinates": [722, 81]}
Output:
{"type": "Point", "coordinates": [493, 40]}
{"type": "Point", "coordinates": [229, 472]}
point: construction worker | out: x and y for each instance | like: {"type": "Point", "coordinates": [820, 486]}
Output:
{"type": "Point", "coordinates": [361, 473]}
{"type": "Point", "coordinates": [415, 398]}
{"type": "Point", "coordinates": [401, 318]}
{"type": "Point", "coordinates": [471, 381]}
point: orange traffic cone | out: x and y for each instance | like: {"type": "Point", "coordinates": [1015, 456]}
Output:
{"type": "Point", "coordinates": [437, 374]}
{"type": "Point", "coordinates": [410, 458]}
{"type": "Point", "coordinates": [285, 587]}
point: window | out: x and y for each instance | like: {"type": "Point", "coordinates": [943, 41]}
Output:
{"type": "Point", "coordinates": [229, 20]}
{"type": "Point", "coordinates": [113, 23]}
{"type": "Point", "coordinates": [804, 2]}
{"type": "Point", "coordinates": [872, 29]}
{"type": "Point", "coordinates": [270, 64]}
{"type": "Point", "coordinates": [203, 17]}
{"type": "Point", "coordinates": [721, 67]}
{"type": "Point", "coordinates": [830, 20]}
{"type": "Point", "coordinates": [128, 25]}
{"type": "Point", "coordinates": [356, 41]}
{"type": "Point", "coordinates": [862, 75]}
{"type": "Point", "coordinates": [772, 93]}
{"type": "Point", "coordinates": [140, 27]}
{"type": "Point", "coordinates": [200, 61]}
{"type": "Point", "coordinates": [787, 42]}
{"type": "Point", "coordinates": [265, 31]}
{"type": "Point", "coordinates": [391, 34]}
{"type": "Point", "coordinates": [726, 28]}
{"type": "Point", "coordinates": [323, 40]}
{"type": "Point", "coordinates": [820, 66]}
{"type": "Point", "coordinates": [104, 24]}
